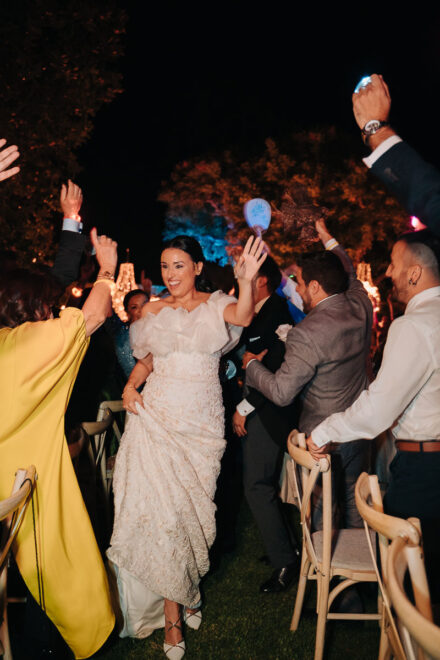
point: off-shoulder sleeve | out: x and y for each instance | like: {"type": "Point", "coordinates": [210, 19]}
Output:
{"type": "Point", "coordinates": [139, 338]}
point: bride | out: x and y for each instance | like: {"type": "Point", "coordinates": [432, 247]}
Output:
{"type": "Point", "coordinates": [169, 458]}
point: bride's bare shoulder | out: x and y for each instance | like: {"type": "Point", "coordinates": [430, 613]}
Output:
{"type": "Point", "coordinates": [154, 307]}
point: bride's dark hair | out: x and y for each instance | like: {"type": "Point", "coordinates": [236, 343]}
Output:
{"type": "Point", "coordinates": [192, 247]}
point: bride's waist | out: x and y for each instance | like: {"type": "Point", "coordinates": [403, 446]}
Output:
{"type": "Point", "coordinates": [186, 366]}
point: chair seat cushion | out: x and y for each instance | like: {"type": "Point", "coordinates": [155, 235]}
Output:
{"type": "Point", "coordinates": [349, 549]}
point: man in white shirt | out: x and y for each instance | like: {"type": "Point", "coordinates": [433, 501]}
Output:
{"type": "Point", "coordinates": [406, 394]}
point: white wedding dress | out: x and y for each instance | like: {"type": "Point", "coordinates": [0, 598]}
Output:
{"type": "Point", "coordinates": [168, 463]}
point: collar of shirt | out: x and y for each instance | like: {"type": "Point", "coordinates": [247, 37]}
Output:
{"type": "Point", "coordinates": [260, 304]}
{"type": "Point", "coordinates": [432, 292]}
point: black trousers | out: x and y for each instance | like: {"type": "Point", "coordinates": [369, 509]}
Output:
{"type": "Point", "coordinates": [414, 490]}
{"type": "Point", "coordinates": [348, 460]}
{"type": "Point", "coordinates": [262, 462]}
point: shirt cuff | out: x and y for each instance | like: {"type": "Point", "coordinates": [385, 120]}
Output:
{"type": "Point", "coordinates": [381, 149]}
{"type": "Point", "coordinates": [70, 224]}
{"type": "Point", "coordinates": [253, 360]}
{"type": "Point", "coordinates": [331, 243]}
{"type": "Point", "coordinates": [319, 437]}
{"type": "Point", "coordinates": [245, 408]}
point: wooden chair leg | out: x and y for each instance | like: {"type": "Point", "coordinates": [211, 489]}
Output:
{"type": "Point", "coordinates": [322, 617]}
{"type": "Point", "coordinates": [384, 645]}
{"type": "Point", "coordinates": [302, 582]}
{"type": "Point", "coordinates": [5, 645]}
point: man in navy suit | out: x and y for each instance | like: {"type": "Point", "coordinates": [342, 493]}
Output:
{"type": "Point", "coordinates": [264, 428]}
{"type": "Point", "coordinates": [414, 182]}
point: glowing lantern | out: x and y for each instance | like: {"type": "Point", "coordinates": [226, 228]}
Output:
{"type": "Point", "coordinates": [257, 214]}
{"type": "Point", "coordinates": [124, 284]}
{"type": "Point", "coordinates": [363, 274]}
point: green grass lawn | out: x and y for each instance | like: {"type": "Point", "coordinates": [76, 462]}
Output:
{"type": "Point", "coordinates": [239, 623]}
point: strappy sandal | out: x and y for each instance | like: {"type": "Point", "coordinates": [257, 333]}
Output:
{"type": "Point", "coordinates": [193, 619]}
{"type": "Point", "coordinates": [174, 651]}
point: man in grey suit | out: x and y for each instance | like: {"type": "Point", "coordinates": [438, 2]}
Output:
{"type": "Point", "coordinates": [325, 360]}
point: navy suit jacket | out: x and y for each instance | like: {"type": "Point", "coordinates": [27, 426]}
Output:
{"type": "Point", "coordinates": [414, 182]}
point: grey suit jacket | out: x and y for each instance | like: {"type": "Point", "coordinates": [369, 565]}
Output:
{"type": "Point", "coordinates": [325, 359]}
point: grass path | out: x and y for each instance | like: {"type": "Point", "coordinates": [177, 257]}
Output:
{"type": "Point", "coordinates": [239, 623]}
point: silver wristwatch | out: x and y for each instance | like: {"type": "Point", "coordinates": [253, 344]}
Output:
{"type": "Point", "coordinates": [371, 127]}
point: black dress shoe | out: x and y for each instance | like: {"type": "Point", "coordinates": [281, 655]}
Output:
{"type": "Point", "coordinates": [281, 579]}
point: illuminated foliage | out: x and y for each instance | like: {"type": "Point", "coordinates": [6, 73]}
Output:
{"type": "Point", "coordinates": [59, 66]}
{"type": "Point", "coordinates": [314, 166]}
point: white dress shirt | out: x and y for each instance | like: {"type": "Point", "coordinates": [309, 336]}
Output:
{"type": "Point", "coordinates": [406, 392]}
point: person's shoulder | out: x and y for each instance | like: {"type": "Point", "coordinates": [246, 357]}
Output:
{"type": "Point", "coordinates": [154, 307]}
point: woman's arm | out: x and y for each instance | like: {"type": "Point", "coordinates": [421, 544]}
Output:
{"type": "Point", "coordinates": [140, 373]}
{"type": "Point", "coordinates": [98, 304]}
{"type": "Point", "coordinates": [242, 312]}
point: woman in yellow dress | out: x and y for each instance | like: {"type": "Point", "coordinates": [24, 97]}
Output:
{"type": "Point", "coordinates": [39, 358]}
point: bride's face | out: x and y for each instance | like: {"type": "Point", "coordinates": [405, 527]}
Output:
{"type": "Point", "coordinates": [179, 271]}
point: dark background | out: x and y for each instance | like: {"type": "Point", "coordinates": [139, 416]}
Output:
{"type": "Point", "coordinates": [201, 80]}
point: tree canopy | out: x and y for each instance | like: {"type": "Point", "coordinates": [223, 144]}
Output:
{"type": "Point", "coordinates": [316, 166]}
{"type": "Point", "coordinates": [60, 65]}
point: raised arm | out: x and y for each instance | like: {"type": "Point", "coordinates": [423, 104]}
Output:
{"type": "Point", "coordinates": [72, 242]}
{"type": "Point", "coordinates": [98, 304]}
{"type": "Point", "coordinates": [241, 313]}
{"type": "Point", "coordinates": [414, 182]}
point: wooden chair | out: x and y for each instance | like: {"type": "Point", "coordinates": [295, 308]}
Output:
{"type": "Point", "coordinates": [12, 512]}
{"type": "Point", "coordinates": [328, 553]}
{"type": "Point", "coordinates": [420, 636]}
{"type": "Point", "coordinates": [370, 506]}
{"type": "Point", "coordinates": [99, 436]}
{"type": "Point", "coordinates": [117, 428]}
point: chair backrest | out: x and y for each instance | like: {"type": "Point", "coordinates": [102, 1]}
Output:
{"type": "Point", "coordinates": [115, 407]}
{"type": "Point", "coordinates": [370, 506]}
{"type": "Point", "coordinates": [415, 619]}
{"type": "Point", "coordinates": [311, 469]}
{"type": "Point", "coordinates": [13, 509]}
{"type": "Point", "coordinates": [97, 432]}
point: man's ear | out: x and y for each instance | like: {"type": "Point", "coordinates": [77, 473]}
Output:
{"type": "Point", "coordinates": [261, 281]}
{"type": "Point", "coordinates": [314, 287]}
{"type": "Point", "coordinates": [414, 273]}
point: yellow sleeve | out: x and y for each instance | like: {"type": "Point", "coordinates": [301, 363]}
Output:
{"type": "Point", "coordinates": [40, 359]}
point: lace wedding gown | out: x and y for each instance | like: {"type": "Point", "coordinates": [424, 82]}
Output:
{"type": "Point", "coordinates": [168, 463]}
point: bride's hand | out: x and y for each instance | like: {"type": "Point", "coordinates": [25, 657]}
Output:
{"type": "Point", "coordinates": [251, 259]}
{"type": "Point", "coordinates": [130, 396]}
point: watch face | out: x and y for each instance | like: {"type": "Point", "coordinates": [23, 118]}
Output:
{"type": "Point", "coordinates": [372, 126]}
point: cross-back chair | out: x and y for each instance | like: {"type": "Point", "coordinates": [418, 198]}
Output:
{"type": "Point", "coordinates": [327, 553]}
{"type": "Point", "coordinates": [420, 636]}
{"type": "Point", "coordinates": [12, 512]}
{"type": "Point", "coordinates": [370, 506]}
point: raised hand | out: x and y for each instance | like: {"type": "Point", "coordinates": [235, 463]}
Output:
{"type": "Point", "coordinates": [322, 231]}
{"type": "Point", "coordinates": [71, 199]}
{"type": "Point", "coordinates": [372, 101]}
{"type": "Point", "coordinates": [7, 156]}
{"type": "Point", "coordinates": [250, 259]}
{"type": "Point", "coordinates": [106, 253]}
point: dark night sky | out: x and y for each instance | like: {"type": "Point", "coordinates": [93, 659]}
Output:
{"type": "Point", "coordinates": [198, 82]}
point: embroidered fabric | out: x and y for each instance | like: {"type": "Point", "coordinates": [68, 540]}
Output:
{"type": "Point", "coordinates": [169, 458]}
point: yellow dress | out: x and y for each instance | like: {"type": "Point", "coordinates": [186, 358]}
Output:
{"type": "Point", "coordinates": [38, 365]}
